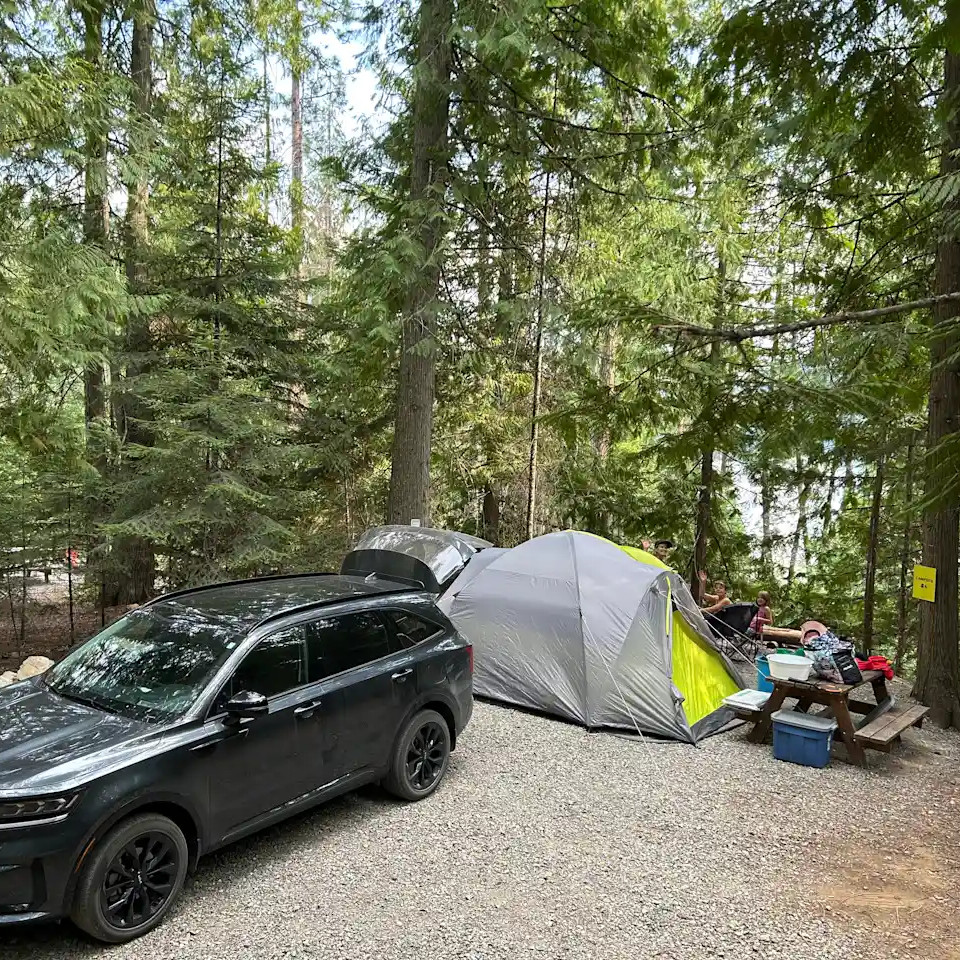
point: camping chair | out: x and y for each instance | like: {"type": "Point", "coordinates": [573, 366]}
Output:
{"type": "Point", "coordinates": [730, 627]}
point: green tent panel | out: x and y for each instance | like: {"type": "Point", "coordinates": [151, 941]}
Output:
{"type": "Point", "coordinates": [699, 671]}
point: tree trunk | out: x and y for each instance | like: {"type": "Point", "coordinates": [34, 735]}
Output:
{"type": "Point", "coordinates": [267, 131]}
{"type": "Point", "coordinates": [800, 534]}
{"type": "Point", "coordinates": [870, 583]}
{"type": "Point", "coordinates": [96, 210]}
{"type": "Point", "coordinates": [296, 163]}
{"type": "Point", "coordinates": [905, 553]}
{"type": "Point", "coordinates": [827, 513]}
{"type": "Point", "coordinates": [133, 562]}
{"type": "Point", "coordinates": [533, 465]}
{"type": "Point", "coordinates": [410, 470]}
{"type": "Point", "coordinates": [484, 267]}
{"type": "Point", "coordinates": [704, 510]}
{"type": "Point", "coordinates": [491, 516]}
{"type": "Point", "coordinates": [608, 377]}
{"type": "Point", "coordinates": [766, 509]}
{"type": "Point", "coordinates": [938, 662]}
{"type": "Point", "coordinates": [139, 340]}
{"type": "Point", "coordinates": [532, 476]}
{"type": "Point", "coordinates": [849, 483]}
{"type": "Point", "coordinates": [705, 493]}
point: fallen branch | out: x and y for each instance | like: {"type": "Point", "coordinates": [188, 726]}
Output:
{"type": "Point", "coordinates": [876, 315]}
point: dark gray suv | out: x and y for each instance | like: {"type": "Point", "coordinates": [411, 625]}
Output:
{"type": "Point", "coordinates": [204, 716]}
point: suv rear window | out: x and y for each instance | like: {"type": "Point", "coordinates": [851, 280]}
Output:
{"type": "Point", "coordinates": [335, 644]}
{"type": "Point", "coordinates": [410, 628]}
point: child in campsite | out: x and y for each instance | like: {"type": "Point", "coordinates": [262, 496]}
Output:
{"type": "Point", "coordinates": [764, 615]}
{"type": "Point", "coordinates": [716, 601]}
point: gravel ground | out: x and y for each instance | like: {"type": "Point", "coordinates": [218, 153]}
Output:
{"type": "Point", "coordinates": [549, 842]}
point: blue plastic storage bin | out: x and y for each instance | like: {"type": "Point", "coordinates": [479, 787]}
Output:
{"type": "Point", "coordinates": [800, 738]}
{"type": "Point", "coordinates": [763, 675]}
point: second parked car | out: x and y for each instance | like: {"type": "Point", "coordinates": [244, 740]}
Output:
{"type": "Point", "coordinates": [207, 715]}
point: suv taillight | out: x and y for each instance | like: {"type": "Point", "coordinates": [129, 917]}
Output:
{"type": "Point", "coordinates": [470, 655]}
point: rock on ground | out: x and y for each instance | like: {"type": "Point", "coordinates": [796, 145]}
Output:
{"type": "Point", "coordinates": [549, 842]}
{"type": "Point", "coordinates": [33, 666]}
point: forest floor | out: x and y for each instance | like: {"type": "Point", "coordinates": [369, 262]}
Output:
{"type": "Point", "coordinates": [47, 631]}
{"type": "Point", "coordinates": [548, 842]}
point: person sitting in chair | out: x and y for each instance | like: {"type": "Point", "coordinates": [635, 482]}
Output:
{"type": "Point", "coordinates": [713, 602]}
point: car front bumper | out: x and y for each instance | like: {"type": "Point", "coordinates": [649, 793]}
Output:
{"type": "Point", "coordinates": [15, 919]}
{"type": "Point", "coordinates": [36, 869]}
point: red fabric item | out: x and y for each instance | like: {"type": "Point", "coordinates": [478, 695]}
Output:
{"type": "Point", "coordinates": [876, 662]}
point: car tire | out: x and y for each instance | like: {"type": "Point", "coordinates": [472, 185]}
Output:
{"type": "Point", "coordinates": [420, 758]}
{"type": "Point", "coordinates": [131, 879]}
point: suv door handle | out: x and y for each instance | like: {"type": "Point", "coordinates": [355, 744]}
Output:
{"type": "Point", "coordinates": [306, 710]}
{"type": "Point", "coordinates": [401, 675]}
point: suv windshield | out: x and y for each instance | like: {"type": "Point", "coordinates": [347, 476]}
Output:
{"type": "Point", "coordinates": [151, 664]}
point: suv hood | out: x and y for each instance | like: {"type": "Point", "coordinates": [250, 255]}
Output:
{"type": "Point", "coordinates": [49, 743]}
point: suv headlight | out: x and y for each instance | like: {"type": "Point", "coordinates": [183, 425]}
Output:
{"type": "Point", "coordinates": [36, 809]}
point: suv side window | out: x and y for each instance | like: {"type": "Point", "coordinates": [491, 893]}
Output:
{"type": "Point", "coordinates": [410, 628]}
{"type": "Point", "coordinates": [335, 644]}
{"type": "Point", "coordinates": [274, 666]}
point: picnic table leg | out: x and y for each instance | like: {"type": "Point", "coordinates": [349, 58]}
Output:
{"type": "Point", "coordinates": [855, 751]}
{"type": "Point", "coordinates": [759, 733]}
{"type": "Point", "coordinates": [880, 690]}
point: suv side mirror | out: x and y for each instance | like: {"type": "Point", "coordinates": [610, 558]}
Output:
{"type": "Point", "coordinates": [246, 705]}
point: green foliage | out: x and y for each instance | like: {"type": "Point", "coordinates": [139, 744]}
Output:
{"type": "Point", "coordinates": [658, 165]}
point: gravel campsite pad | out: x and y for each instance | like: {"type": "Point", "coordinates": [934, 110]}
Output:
{"type": "Point", "coordinates": [550, 842]}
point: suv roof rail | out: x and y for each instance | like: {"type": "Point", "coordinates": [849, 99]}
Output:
{"type": "Point", "coordinates": [184, 591]}
{"type": "Point", "coordinates": [331, 601]}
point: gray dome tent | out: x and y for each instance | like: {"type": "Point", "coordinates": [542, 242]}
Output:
{"type": "Point", "coordinates": [572, 625]}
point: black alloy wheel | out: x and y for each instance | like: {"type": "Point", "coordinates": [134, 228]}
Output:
{"type": "Point", "coordinates": [420, 757]}
{"type": "Point", "coordinates": [131, 878]}
{"type": "Point", "coordinates": [427, 755]}
{"type": "Point", "coordinates": [139, 881]}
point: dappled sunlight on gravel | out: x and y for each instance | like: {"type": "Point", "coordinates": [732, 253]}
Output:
{"type": "Point", "coordinates": [550, 842]}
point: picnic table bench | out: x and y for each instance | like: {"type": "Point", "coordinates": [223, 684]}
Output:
{"type": "Point", "coordinates": [882, 722]}
{"type": "Point", "coordinates": [882, 733]}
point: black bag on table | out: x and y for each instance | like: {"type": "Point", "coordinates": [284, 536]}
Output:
{"type": "Point", "coordinates": [847, 665]}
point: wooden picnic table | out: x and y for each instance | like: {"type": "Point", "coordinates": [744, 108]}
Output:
{"type": "Point", "coordinates": [836, 698]}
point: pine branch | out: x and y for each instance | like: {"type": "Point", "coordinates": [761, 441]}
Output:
{"type": "Point", "coordinates": [877, 315]}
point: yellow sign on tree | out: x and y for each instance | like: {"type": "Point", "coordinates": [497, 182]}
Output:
{"type": "Point", "coordinates": [924, 583]}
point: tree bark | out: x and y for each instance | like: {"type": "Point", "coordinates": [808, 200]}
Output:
{"type": "Point", "coordinates": [412, 441]}
{"type": "Point", "coordinates": [870, 582]}
{"type": "Point", "coordinates": [132, 570]}
{"type": "Point", "coordinates": [267, 131]}
{"type": "Point", "coordinates": [296, 162]}
{"type": "Point", "coordinates": [766, 509]}
{"type": "Point", "coordinates": [849, 484]}
{"type": "Point", "coordinates": [608, 377]}
{"type": "Point", "coordinates": [905, 553]}
{"type": "Point", "coordinates": [705, 493]}
{"type": "Point", "coordinates": [704, 511]}
{"type": "Point", "coordinates": [800, 534]}
{"type": "Point", "coordinates": [532, 476]}
{"type": "Point", "coordinates": [938, 661]}
{"type": "Point", "coordinates": [827, 512]}
{"type": "Point", "coordinates": [484, 267]}
{"type": "Point", "coordinates": [491, 516]}
{"type": "Point", "coordinates": [96, 210]}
